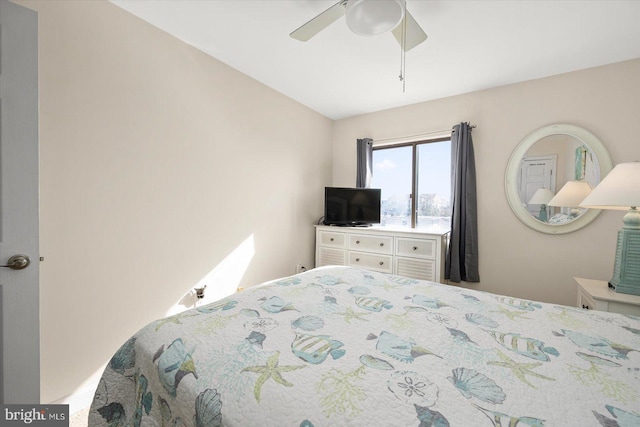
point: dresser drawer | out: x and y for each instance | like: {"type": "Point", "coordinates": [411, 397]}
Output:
{"type": "Point", "coordinates": [330, 256]}
{"type": "Point", "coordinates": [331, 239]}
{"type": "Point", "coordinates": [585, 302]}
{"type": "Point", "coordinates": [370, 261]}
{"type": "Point", "coordinates": [375, 244]}
{"type": "Point", "coordinates": [415, 248]}
{"type": "Point", "coordinates": [423, 269]}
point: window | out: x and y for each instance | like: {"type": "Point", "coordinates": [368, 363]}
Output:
{"type": "Point", "coordinates": [415, 179]}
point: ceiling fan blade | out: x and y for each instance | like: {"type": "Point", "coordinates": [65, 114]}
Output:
{"type": "Point", "coordinates": [320, 22]}
{"type": "Point", "coordinates": [415, 34]}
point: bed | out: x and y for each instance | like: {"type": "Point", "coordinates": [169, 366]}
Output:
{"type": "Point", "coordinates": [339, 346]}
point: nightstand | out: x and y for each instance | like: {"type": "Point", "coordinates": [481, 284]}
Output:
{"type": "Point", "coordinates": [596, 295]}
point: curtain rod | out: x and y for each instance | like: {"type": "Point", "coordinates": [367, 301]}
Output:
{"type": "Point", "coordinates": [470, 127]}
{"type": "Point", "coordinates": [414, 137]}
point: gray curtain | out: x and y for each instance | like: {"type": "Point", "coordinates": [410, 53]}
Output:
{"type": "Point", "coordinates": [461, 263]}
{"type": "Point", "coordinates": [365, 162]}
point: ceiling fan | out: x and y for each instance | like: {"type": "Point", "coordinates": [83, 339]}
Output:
{"type": "Point", "coordinates": [368, 18]}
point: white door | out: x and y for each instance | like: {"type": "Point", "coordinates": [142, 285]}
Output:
{"type": "Point", "coordinates": [535, 173]}
{"type": "Point", "coordinates": [19, 293]}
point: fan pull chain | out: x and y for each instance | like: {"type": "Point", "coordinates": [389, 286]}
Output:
{"type": "Point", "coordinates": [403, 53]}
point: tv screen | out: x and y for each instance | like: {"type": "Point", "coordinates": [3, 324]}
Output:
{"type": "Point", "coordinates": [351, 206]}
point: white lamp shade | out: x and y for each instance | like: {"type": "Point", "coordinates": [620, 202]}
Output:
{"type": "Point", "coordinates": [371, 17]}
{"type": "Point", "coordinates": [619, 190]}
{"type": "Point", "coordinates": [571, 194]}
{"type": "Point", "coordinates": [541, 197]}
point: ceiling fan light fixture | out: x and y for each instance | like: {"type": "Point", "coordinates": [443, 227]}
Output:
{"type": "Point", "coordinates": [372, 17]}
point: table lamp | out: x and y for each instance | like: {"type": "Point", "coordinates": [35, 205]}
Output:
{"type": "Point", "coordinates": [541, 197]}
{"type": "Point", "coordinates": [620, 190]}
{"type": "Point", "coordinates": [571, 195]}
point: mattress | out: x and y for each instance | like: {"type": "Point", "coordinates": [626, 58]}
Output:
{"type": "Point", "coordinates": [339, 346]}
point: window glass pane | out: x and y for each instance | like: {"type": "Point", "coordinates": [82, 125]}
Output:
{"type": "Point", "coordinates": [434, 186]}
{"type": "Point", "coordinates": [392, 174]}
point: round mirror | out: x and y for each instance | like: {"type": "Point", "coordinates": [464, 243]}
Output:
{"type": "Point", "coordinates": [550, 172]}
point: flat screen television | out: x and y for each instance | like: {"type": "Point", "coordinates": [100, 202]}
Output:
{"type": "Point", "coordinates": [351, 206]}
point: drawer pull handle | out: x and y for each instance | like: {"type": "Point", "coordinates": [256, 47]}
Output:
{"type": "Point", "coordinates": [381, 244]}
{"type": "Point", "coordinates": [586, 307]}
{"type": "Point", "coordinates": [357, 242]}
{"type": "Point", "coordinates": [357, 259]}
{"type": "Point", "coordinates": [331, 239]}
{"type": "Point", "coordinates": [415, 248]}
{"type": "Point", "coordinates": [381, 263]}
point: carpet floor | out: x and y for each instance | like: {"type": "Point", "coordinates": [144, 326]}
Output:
{"type": "Point", "coordinates": [79, 419]}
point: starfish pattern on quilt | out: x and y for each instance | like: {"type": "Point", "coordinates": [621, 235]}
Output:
{"type": "Point", "coordinates": [520, 370]}
{"type": "Point", "coordinates": [350, 315]}
{"type": "Point", "coordinates": [271, 370]}
{"type": "Point", "coordinates": [512, 315]}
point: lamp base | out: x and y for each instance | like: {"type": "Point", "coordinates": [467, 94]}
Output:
{"type": "Point", "coordinates": [626, 270]}
{"type": "Point", "coordinates": [542, 215]}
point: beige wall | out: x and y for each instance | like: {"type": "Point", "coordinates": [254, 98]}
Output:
{"type": "Point", "coordinates": [160, 166]}
{"type": "Point", "coordinates": [514, 259]}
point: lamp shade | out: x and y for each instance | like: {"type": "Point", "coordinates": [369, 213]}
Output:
{"type": "Point", "coordinates": [541, 197]}
{"type": "Point", "coordinates": [571, 194]}
{"type": "Point", "coordinates": [619, 190]}
{"type": "Point", "coordinates": [371, 17]}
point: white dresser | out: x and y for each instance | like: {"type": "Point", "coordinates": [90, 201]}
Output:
{"type": "Point", "coordinates": [404, 252]}
{"type": "Point", "coordinates": [596, 295]}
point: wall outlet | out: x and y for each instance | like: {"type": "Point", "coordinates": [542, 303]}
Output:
{"type": "Point", "coordinates": [300, 268]}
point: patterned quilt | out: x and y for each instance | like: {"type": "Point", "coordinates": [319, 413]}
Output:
{"type": "Point", "coordinates": [338, 346]}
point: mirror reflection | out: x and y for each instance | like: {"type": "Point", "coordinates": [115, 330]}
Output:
{"type": "Point", "coordinates": [549, 172]}
{"type": "Point", "coordinates": [556, 173]}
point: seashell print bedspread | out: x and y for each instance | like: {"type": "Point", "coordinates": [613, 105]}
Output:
{"type": "Point", "coordinates": [338, 346]}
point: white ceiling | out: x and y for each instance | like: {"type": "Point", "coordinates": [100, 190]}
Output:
{"type": "Point", "coordinates": [472, 45]}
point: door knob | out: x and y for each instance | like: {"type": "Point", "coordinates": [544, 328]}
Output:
{"type": "Point", "coordinates": [18, 262]}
